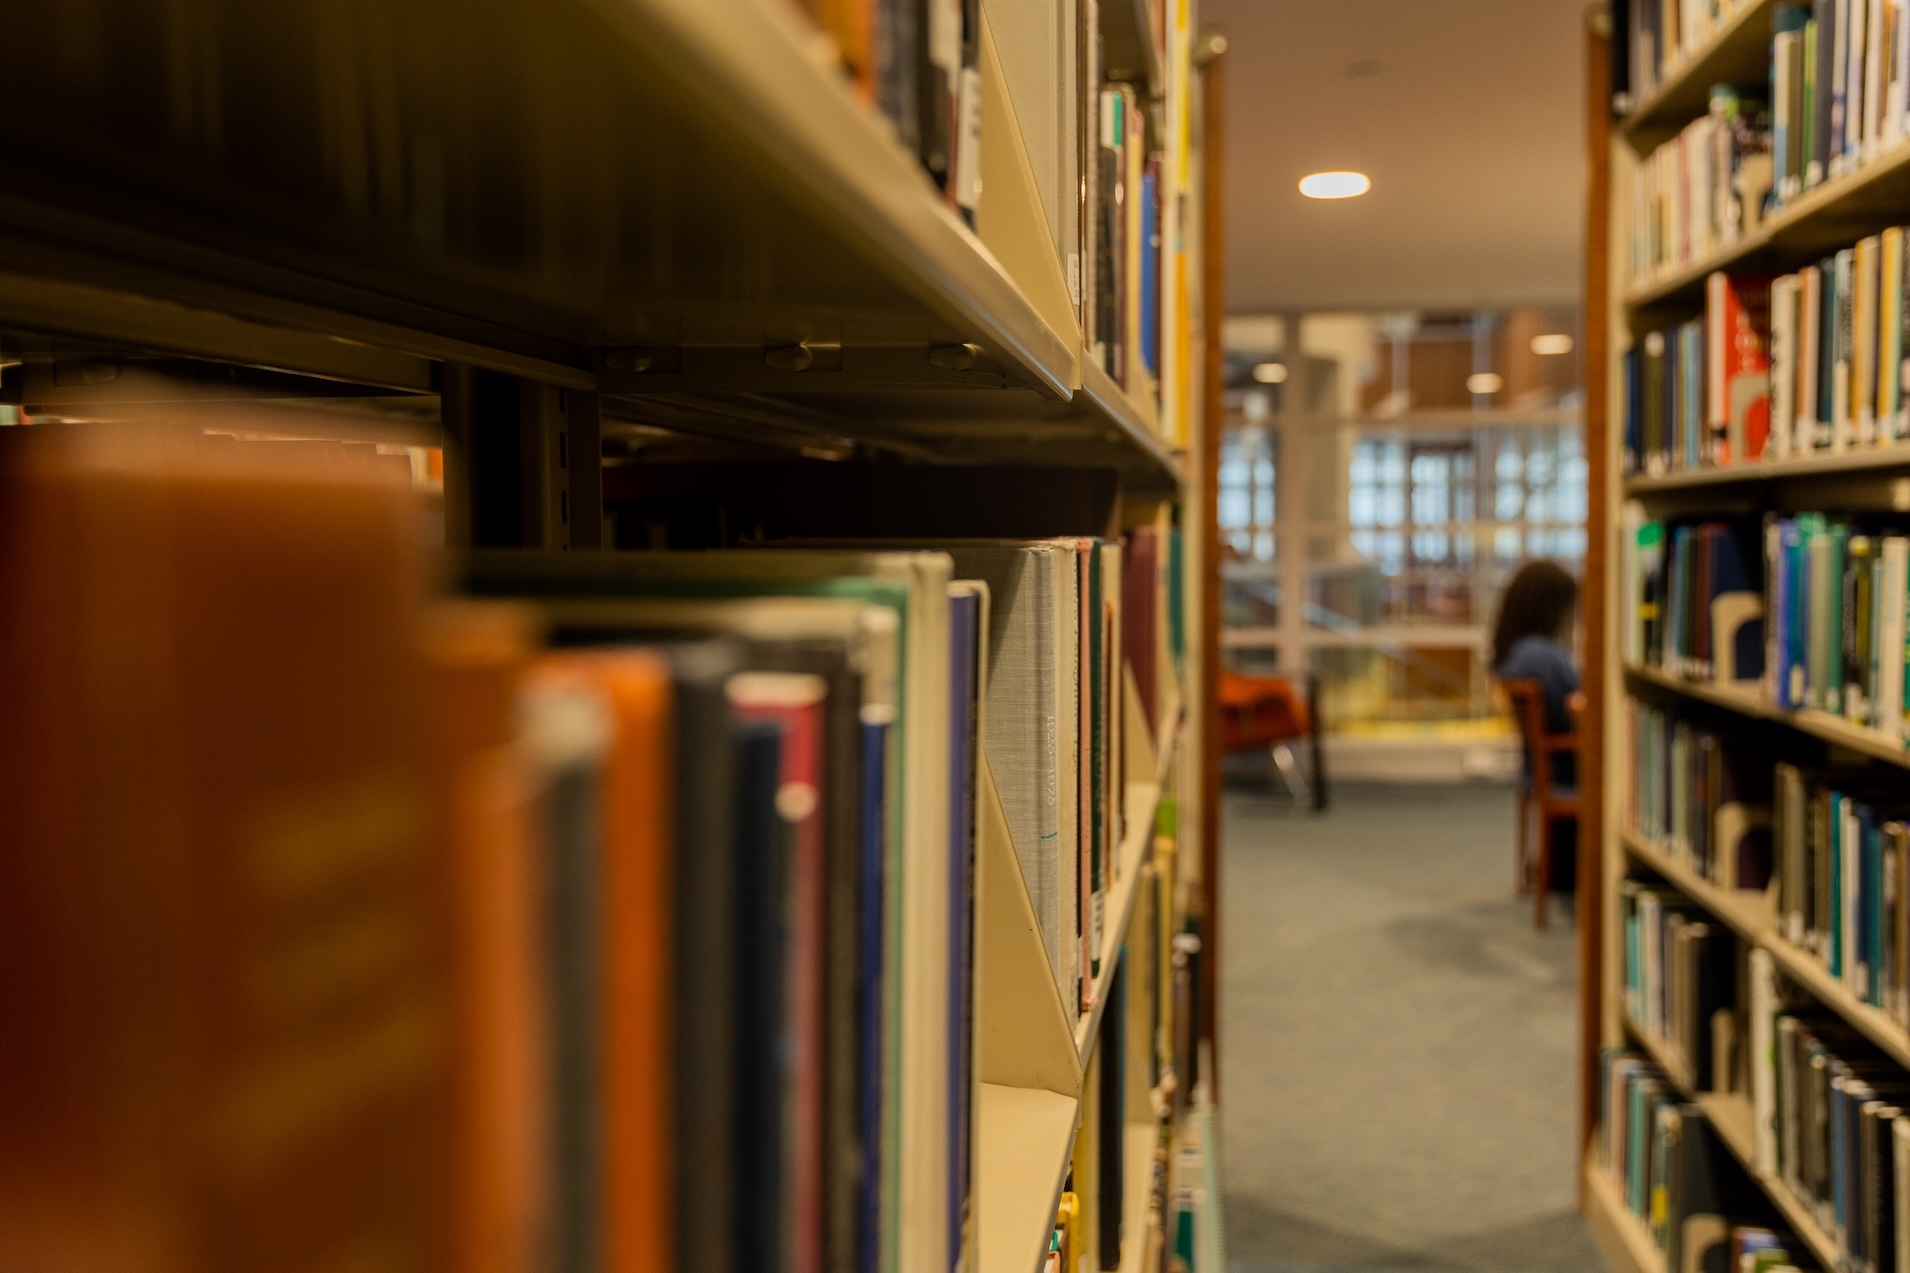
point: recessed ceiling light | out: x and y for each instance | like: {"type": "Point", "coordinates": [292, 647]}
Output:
{"type": "Point", "coordinates": [1484, 382]}
{"type": "Point", "coordinates": [1556, 343]}
{"type": "Point", "coordinates": [1335, 185]}
{"type": "Point", "coordinates": [1270, 373]}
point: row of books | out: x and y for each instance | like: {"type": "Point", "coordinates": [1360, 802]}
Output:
{"type": "Point", "coordinates": [1841, 852]}
{"type": "Point", "coordinates": [1836, 101]}
{"type": "Point", "coordinates": [917, 62]}
{"type": "Point", "coordinates": [1835, 596]}
{"type": "Point", "coordinates": [1821, 626]}
{"type": "Point", "coordinates": [1678, 978]}
{"type": "Point", "coordinates": [624, 918]}
{"type": "Point", "coordinates": [1702, 190]}
{"type": "Point", "coordinates": [1838, 71]}
{"type": "Point", "coordinates": [1674, 1178]}
{"type": "Point", "coordinates": [1691, 598]}
{"type": "Point", "coordinates": [1125, 332]}
{"type": "Point", "coordinates": [1837, 350]}
{"type": "Point", "coordinates": [1699, 795]}
{"type": "Point", "coordinates": [1806, 363]}
{"type": "Point", "coordinates": [1828, 1123]}
{"type": "Point", "coordinates": [1698, 394]}
{"type": "Point", "coordinates": [1656, 37]}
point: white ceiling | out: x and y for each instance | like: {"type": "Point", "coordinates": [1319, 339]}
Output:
{"type": "Point", "coordinates": [1468, 116]}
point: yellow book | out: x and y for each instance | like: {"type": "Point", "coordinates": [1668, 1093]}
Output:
{"type": "Point", "coordinates": [1890, 338]}
{"type": "Point", "coordinates": [1068, 1222]}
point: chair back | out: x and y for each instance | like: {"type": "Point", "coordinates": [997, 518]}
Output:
{"type": "Point", "coordinates": [1528, 713]}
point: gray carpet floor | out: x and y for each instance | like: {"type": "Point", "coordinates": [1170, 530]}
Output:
{"type": "Point", "coordinates": [1396, 1042]}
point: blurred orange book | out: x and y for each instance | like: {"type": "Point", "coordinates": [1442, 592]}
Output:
{"type": "Point", "coordinates": [226, 973]}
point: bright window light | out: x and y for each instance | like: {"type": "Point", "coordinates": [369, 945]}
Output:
{"type": "Point", "coordinates": [1555, 343]}
{"type": "Point", "coordinates": [1335, 185]}
{"type": "Point", "coordinates": [1270, 373]}
{"type": "Point", "coordinates": [1484, 382]}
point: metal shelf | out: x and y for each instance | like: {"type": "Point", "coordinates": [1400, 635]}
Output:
{"type": "Point", "coordinates": [556, 191]}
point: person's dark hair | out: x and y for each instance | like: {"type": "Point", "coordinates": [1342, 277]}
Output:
{"type": "Point", "coordinates": [1538, 602]}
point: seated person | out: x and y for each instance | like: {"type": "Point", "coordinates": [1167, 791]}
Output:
{"type": "Point", "coordinates": [1529, 638]}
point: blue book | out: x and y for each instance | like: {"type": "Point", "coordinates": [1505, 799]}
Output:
{"type": "Point", "coordinates": [871, 993]}
{"type": "Point", "coordinates": [964, 621]}
{"type": "Point", "coordinates": [1797, 656]}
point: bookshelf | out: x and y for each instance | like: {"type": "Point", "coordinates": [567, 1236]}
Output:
{"type": "Point", "coordinates": [581, 239]}
{"type": "Point", "coordinates": [1739, 727]}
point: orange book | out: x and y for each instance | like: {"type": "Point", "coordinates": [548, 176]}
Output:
{"type": "Point", "coordinates": [638, 935]}
{"type": "Point", "coordinates": [224, 979]}
{"type": "Point", "coordinates": [478, 655]}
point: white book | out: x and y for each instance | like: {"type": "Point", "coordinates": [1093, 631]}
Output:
{"type": "Point", "coordinates": [1032, 728]}
{"type": "Point", "coordinates": [1783, 366]}
{"type": "Point", "coordinates": [1804, 437]}
{"type": "Point", "coordinates": [1763, 1010]}
{"type": "Point", "coordinates": [1891, 599]}
{"type": "Point", "coordinates": [1894, 94]}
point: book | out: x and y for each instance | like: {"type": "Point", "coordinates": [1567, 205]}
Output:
{"type": "Point", "coordinates": [216, 774]}
{"type": "Point", "coordinates": [569, 729]}
{"type": "Point", "coordinates": [475, 658]}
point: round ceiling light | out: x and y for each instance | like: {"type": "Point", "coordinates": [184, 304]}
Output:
{"type": "Point", "coordinates": [1270, 373]}
{"type": "Point", "coordinates": [1555, 343]}
{"type": "Point", "coordinates": [1484, 382]}
{"type": "Point", "coordinates": [1335, 185]}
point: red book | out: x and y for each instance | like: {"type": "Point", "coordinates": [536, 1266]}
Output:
{"type": "Point", "coordinates": [1737, 323]}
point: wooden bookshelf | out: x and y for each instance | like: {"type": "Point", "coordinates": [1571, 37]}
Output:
{"type": "Point", "coordinates": [1833, 215]}
{"type": "Point", "coordinates": [598, 222]}
{"type": "Point", "coordinates": [1868, 459]}
{"type": "Point", "coordinates": [1750, 917]}
{"type": "Point", "coordinates": [1622, 1237]}
{"type": "Point", "coordinates": [1748, 700]}
{"type": "Point", "coordinates": [1731, 1117]}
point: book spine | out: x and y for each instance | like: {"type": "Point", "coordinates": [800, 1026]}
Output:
{"type": "Point", "coordinates": [1783, 366]}
{"type": "Point", "coordinates": [1823, 40]}
{"type": "Point", "coordinates": [1890, 335]}
{"type": "Point", "coordinates": [1893, 566]}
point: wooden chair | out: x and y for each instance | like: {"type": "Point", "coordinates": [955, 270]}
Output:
{"type": "Point", "coordinates": [1539, 796]}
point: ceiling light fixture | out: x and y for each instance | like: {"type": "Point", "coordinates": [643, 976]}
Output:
{"type": "Point", "coordinates": [1270, 373]}
{"type": "Point", "coordinates": [1335, 185]}
{"type": "Point", "coordinates": [1484, 382]}
{"type": "Point", "coordinates": [1555, 343]}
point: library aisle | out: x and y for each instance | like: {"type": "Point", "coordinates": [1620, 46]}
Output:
{"type": "Point", "coordinates": [1397, 1056]}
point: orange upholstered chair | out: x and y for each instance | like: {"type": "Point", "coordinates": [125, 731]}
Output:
{"type": "Point", "coordinates": [1264, 712]}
